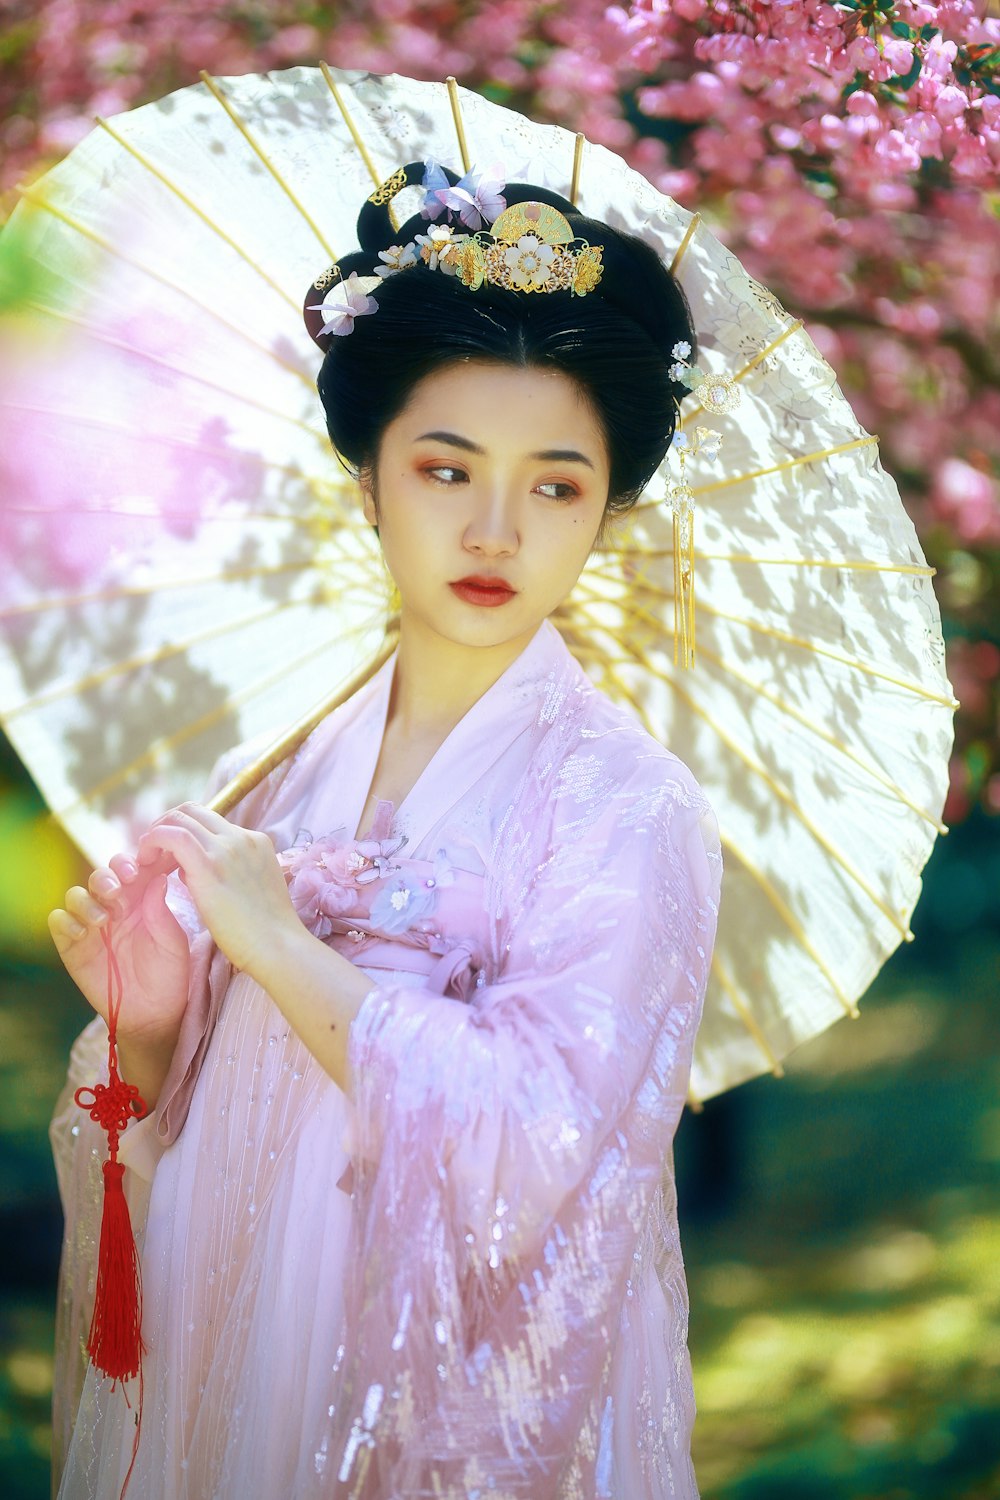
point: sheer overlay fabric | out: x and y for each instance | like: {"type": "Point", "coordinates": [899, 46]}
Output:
{"type": "Point", "coordinates": [466, 1280]}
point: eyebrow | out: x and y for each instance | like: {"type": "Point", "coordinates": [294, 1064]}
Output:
{"type": "Point", "coordinates": [549, 455]}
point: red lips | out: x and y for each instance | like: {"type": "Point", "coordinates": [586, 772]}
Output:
{"type": "Point", "coordinates": [483, 590]}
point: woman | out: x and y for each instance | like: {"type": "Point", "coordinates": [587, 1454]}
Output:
{"type": "Point", "coordinates": [417, 1022]}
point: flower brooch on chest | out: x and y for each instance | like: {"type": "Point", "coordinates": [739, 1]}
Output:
{"type": "Point", "coordinates": [327, 879]}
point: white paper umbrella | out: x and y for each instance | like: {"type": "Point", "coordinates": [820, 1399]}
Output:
{"type": "Point", "coordinates": [185, 564]}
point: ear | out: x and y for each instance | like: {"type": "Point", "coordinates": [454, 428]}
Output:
{"type": "Point", "coordinates": [368, 499]}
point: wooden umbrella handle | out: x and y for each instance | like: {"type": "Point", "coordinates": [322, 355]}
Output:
{"type": "Point", "coordinates": [235, 790]}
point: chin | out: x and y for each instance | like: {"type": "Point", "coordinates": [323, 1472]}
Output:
{"type": "Point", "coordinates": [467, 625]}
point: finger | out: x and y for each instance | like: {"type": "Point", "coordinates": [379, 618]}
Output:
{"type": "Point", "coordinates": [64, 928]}
{"type": "Point", "coordinates": [205, 816]}
{"type": "Point", "coordinates": [105, 887]}
{"type": "Point", "coordinates": [182, 844]}
{"type": "Point", "coordinates": [152, 851]}
{"type": "Point", "coordinates": [124, 866]}
{"type": "Point", "coordinates": [204, 826]}
{"type": "Point", "coordinates": [81, 904]}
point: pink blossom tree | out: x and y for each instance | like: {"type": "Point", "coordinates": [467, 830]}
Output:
{"type": "Point", "coordinates": [849, 153]}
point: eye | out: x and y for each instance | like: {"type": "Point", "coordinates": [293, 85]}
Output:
{"type": "Point", "coordinates": [432, 473]}
{"type": "Point", "coordinates": [570, 491]}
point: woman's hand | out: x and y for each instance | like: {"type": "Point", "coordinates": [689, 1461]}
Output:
{"type": "Point", "coordinates": [234, 878]}
{"type": "Point", "coordinates": [149, 943]}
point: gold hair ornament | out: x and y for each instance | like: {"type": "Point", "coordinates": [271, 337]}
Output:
{"type": "Point", "coordinates": [529, 248]}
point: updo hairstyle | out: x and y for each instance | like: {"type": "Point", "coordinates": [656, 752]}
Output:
{"type": "Point", "coordinates": [615, 342]}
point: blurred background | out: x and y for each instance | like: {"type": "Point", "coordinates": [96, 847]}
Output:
{"type": "Point", "coordinates": [841, 1225]}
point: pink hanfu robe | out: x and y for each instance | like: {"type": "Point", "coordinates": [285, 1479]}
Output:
{"type": "Point", "coordinates": [465, 1281]}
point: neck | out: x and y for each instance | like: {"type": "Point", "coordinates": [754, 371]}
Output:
{"type": "Point", "coordinates": [436, 681]}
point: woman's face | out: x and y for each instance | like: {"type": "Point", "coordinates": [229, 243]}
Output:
{"type": "Point", "coordinates": [491, 472]}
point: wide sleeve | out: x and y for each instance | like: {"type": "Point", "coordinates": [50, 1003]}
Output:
{"type": "Point", "coordinates": [600, 993]}
{"type": "Point", "coordinates": [506, 1151]}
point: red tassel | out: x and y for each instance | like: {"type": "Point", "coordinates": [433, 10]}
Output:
{"type": "Point", "coordinates": [115, 1344]}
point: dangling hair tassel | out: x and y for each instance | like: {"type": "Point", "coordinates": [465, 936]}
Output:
{"type": "Point", "coordinates": [683, 538]}
{"type": "Point", "coordinates": [718, 394]}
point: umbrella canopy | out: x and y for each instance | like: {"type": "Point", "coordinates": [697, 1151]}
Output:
{"type": "Point", "coordinates": [185, 565]}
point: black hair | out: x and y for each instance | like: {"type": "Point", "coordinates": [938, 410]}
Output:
{"type": "Point", "coordinates": [615, 342]}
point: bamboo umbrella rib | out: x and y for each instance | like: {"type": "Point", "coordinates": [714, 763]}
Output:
{"type": "Point", "coordinates": [661, 596]}
{"type": "Point", "coordinates": [99, 335]}
{"type": "Point", "coordinates": [329, 491]}
{"type": "Point", "coordinates": [848, 661]}
{"type": "Point", "coordinates": [784, 795]}
{"type": "Point", "coordinates": [210, 312]}
{"type": "Point", "coordinates": [787, 464]}
{"type": "Point", "coordinates": [285, 186]}
{"type": "Point", "coordinates": [143, 590]}
{"type": "Point", "coordinates": [779, 790]}
{"type": "Point", "coordinates": [325, 492]}
{"type": "Point", "coordinates": [288, 742]}
{"type": "Point", "coordinates": [456, 113]}
{"type": "Point", "coordinates": [791, 921]}
{"type": "Point", "coordinates": [189, 203]}
{"type": "Point", "coordinates": [578, 145]}
{"type": "Point", "coordinates": [102, 424]}
{"type": "Point", "coordinates": [764, 882]}
{"type": "Point", "coordinates": [745, 1014]}
{"type": "Point", "coordinates": [870, 769]}
{"type": "Point", "coordinates": [861, 565]}
{"type": "Point", "coordinates": [681, 250]}
{"type": "Point", "coordinates": [159, 747]}
{"type": "Point", "coordinates": [356, 137]}
{"type": "Point", "coordinates": [141, 511]}
{"type": "Point", "coordinates": [309, 522]}
{"type": "Point", "coordinates": [152, 655]}
{"type": "Point", "coordinates": [875, 772]}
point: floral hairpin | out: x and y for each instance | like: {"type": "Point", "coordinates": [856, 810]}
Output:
{"type": "Point", "coordinates": [477, 199]}
{"type": "Point", "coordinates": [344, 301]}
{"type": "Point", "coordinates": [718, 393]}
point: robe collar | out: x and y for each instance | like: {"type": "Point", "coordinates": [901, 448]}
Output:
{"type": "Point", "coordinates": [507, 709]}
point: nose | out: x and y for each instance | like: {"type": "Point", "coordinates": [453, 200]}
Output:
{"type": "Point", "coordinates": [492, 528]}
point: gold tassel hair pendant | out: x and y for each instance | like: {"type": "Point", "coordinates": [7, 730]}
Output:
{"type": "Point", "coordinates": [718, 393]}
{"type": "Point", "coordinates": [682, 508]}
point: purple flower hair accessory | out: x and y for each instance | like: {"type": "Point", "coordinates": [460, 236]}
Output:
{"type": "Point", "coordinates": [477, 198]}
{"type": "Point", "coordinates": [345, 301]}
